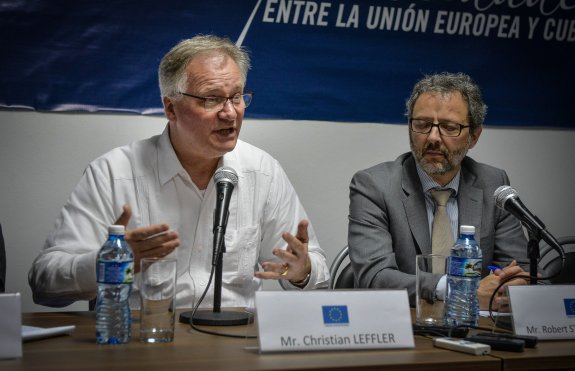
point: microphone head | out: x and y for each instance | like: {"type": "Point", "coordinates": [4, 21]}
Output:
{"type": "Point", "coordinates": [226, 174]}
{"type": "Point", "coordinates": [502, 194]}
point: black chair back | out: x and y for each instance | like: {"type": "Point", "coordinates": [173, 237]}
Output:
{"type": "Point", "coordinates": [341, 278]}
{"type": "Point", "coordinates": [550, 261]}
{"type": "Point", "coordinates": [2, 262]}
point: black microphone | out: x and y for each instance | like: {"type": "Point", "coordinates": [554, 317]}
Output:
{"type": "Point", "coordinates": [507, 198]}
{"type": "Point", "coordinates": [225, 179]}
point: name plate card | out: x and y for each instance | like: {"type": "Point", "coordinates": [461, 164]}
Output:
{"type": "Point", "coordinates": [10, 326]}
{"type": "Point", "coordinates": [333, 320]}
{"type": "Point", "coordinates": [545, 311]}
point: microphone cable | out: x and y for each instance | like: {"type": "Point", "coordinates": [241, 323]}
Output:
{"type": "Point", "coordinates": [523, 276]}
{"type": "Point", "coordinates": [200, 300]}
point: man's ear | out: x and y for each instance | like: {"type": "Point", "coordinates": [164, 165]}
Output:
{"type": "Point", "coordinates": [475, 136]}
{"type": "Point", "coordinates": [169, 108]}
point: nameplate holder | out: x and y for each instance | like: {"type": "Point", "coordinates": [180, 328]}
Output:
{"type": "Point", "coordinates": [10, 326]}
{"type": "Point", "coordinates": [333, 320]}
{"type": "Point", "coordinates": [545, 311]}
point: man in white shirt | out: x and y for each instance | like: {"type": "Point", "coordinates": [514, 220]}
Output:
{"type": "Point", "coordinates": [164, 184]}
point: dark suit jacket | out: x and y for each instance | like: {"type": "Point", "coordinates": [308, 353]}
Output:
{"type": "Point", "coordinates": [388, 223]}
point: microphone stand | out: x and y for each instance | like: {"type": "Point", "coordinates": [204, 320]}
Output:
{"type": "Point", "coordinates": [534, 254]}
{"type": "Point", "coordinates": [217, 317]}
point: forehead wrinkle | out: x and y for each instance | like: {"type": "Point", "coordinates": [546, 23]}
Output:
{"type": "Point", "coordinates": [214, 72]}
{"type": "Point", "coordinates": [445, 105]}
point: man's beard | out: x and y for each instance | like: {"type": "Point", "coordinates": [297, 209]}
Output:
{"type": "Point", "coordinates": [447, 164]}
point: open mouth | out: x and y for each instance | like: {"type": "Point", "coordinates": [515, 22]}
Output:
{"type": "Point", "coordinates": [226, 132]}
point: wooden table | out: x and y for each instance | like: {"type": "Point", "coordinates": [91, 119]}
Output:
{"type": "Point", "coordinates": [198, 351]}
{"type": "Point", "coordinates": [548, 355]}
{"type": "Point", "coordinates": [195, 350]}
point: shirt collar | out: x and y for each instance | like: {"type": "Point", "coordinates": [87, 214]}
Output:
{"type": "Point", "coordinates": [428, 183]}
{"type": "Point", "coordinates": [169, 164]}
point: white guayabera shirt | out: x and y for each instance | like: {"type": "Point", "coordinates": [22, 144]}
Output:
{"type": "Point", "coordinates": [148, 176]}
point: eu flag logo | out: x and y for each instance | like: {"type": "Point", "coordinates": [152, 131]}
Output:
{"type": "Point", "coordinates": [335, 315]}
{"type": "Point", "coordinates": [569, 307]}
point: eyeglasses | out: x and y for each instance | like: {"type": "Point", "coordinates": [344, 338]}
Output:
{"type": "Point", "coordinates": [447, 129]}
{"type": "Point", "coordinates": [218, 103]}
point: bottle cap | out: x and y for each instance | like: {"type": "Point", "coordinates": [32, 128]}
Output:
{"type": "Point", "coordinates": [467, 229]}
{"type": "Point", "coordinates": [116, 230]}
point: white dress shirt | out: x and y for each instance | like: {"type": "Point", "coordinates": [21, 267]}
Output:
{"type": "Point", "coordinates": [148, 176]}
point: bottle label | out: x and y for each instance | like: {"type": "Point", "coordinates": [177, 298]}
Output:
{"type": "Point", "coordinates": [115, 272]}
{"type": "Point", "coordinates": [464, 267]}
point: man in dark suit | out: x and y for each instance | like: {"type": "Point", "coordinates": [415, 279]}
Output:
{"type": "Point", "coordinates": [391, 207]}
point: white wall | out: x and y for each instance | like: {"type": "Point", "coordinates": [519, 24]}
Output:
{"type": "Point", "coordinates": [42, 156]}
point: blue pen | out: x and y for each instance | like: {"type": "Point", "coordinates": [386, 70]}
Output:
{"type": "Point", "coordinates": [492, 267]}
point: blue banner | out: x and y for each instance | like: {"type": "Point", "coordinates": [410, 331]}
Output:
{"type": "Point", "coordinates": [349, 61]}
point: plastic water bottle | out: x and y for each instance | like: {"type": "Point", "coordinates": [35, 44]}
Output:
{"type": "Point", "coordinates": [463, 276]}
{"type": "Point", "coordinates": [115, 274]}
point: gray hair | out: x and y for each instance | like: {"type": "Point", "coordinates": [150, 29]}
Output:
{"type": "Point", "coordinates": [172, 70]}
{"type": "Point", "coordinates": [445, 83]}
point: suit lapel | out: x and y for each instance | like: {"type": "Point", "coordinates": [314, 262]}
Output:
{"type": "Point", "coordinates": [470, 202]}
{"type": "Point", "coordinates": [414, 204]}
